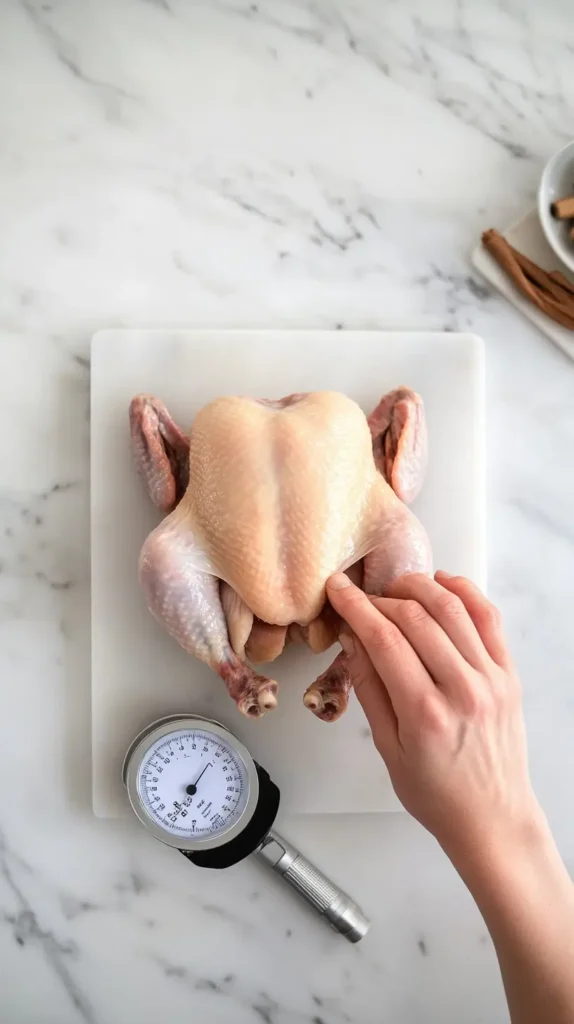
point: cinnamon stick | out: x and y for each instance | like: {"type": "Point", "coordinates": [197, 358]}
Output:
{"type": "Point", "coordinates": [560, 278]}
{"type": "Point", "coordinates": [539, 276]}
{"type": "Point", "coordinates": [544, 290]}
{"type": "Point", "coordinates": [563, 209]}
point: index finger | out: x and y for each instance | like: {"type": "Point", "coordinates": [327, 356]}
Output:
{"type": "Point", "coordinates": [399, 666]}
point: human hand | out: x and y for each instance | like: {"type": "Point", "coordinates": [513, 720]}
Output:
{"type": "Point", "coordinates": [430, 666]}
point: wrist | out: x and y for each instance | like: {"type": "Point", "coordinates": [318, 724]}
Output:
{"type": "Point", "coordinates": [485, 857]}
{"type": "Point", "coordinates": [525, 895]}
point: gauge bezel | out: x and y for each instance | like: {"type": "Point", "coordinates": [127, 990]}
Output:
{"type": "Point", "coordinates": [137, 752]}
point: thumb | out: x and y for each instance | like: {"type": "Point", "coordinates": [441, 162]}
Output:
{"type": "Point", "coordinates": [373, 697]}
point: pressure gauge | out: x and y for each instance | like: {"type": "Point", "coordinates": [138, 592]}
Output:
{"type": "Point", "coordinates": [193, 785]}
{"type": "Point", "coordinates": [196, 787]}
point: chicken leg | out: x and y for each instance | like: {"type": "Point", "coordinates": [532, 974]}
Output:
{"type": "Point", "coordinates": [400, 542]}
{"type": "Point", "coordinates": [187, 602]}
{"type": "Point", "coordinates": [183, 597]}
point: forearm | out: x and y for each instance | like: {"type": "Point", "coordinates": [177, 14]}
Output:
{"type": "Point", "coordinates": [432, 671]}
{"type": "Point", "coordinates": [526, 897]}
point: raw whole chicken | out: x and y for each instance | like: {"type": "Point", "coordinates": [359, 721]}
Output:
{"type": "Point", "coordinates": [263, 501]}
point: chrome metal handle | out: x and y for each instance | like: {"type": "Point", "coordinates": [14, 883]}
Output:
{"type": "Point", "coordinates": [341, 912]}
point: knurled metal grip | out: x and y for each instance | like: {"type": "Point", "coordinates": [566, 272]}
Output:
{"type": "Point", "coordinates": [342, 913]}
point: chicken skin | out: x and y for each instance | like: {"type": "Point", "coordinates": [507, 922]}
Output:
{"type": "Point", "coordinates": [263, 501]}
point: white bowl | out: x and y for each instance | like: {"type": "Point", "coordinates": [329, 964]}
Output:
{"type": "Point", "coordinates": [557, 182]}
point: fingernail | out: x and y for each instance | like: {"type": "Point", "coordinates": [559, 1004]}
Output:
{"type": "Point", "coordinates": [445, 575]}
{"type": "Point", "coordinates": [347, 643]}
{"type": "Point", "coordinates": [338, 581]}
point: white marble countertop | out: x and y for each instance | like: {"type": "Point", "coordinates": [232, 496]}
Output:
{"type": "Point", "coordinates": [203, 162]}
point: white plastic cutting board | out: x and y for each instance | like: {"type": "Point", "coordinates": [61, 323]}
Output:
{"type": "Point", "coordinates": [138, 672]}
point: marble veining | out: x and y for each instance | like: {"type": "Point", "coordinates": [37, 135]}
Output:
{"type": "Point", "coordinates": [284, 162]}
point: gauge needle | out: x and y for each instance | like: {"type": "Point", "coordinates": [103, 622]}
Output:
{"type": "Point", "coordinates": [192, 789]}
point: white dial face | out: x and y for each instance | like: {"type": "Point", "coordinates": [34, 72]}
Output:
{"type": "Point", "coordinates": [193, 784]}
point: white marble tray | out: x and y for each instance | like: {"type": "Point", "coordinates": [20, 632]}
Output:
{"type": "Point", "coordinates": [138, 672]}
{"type": "Point", "coordinates": [527, 236]}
